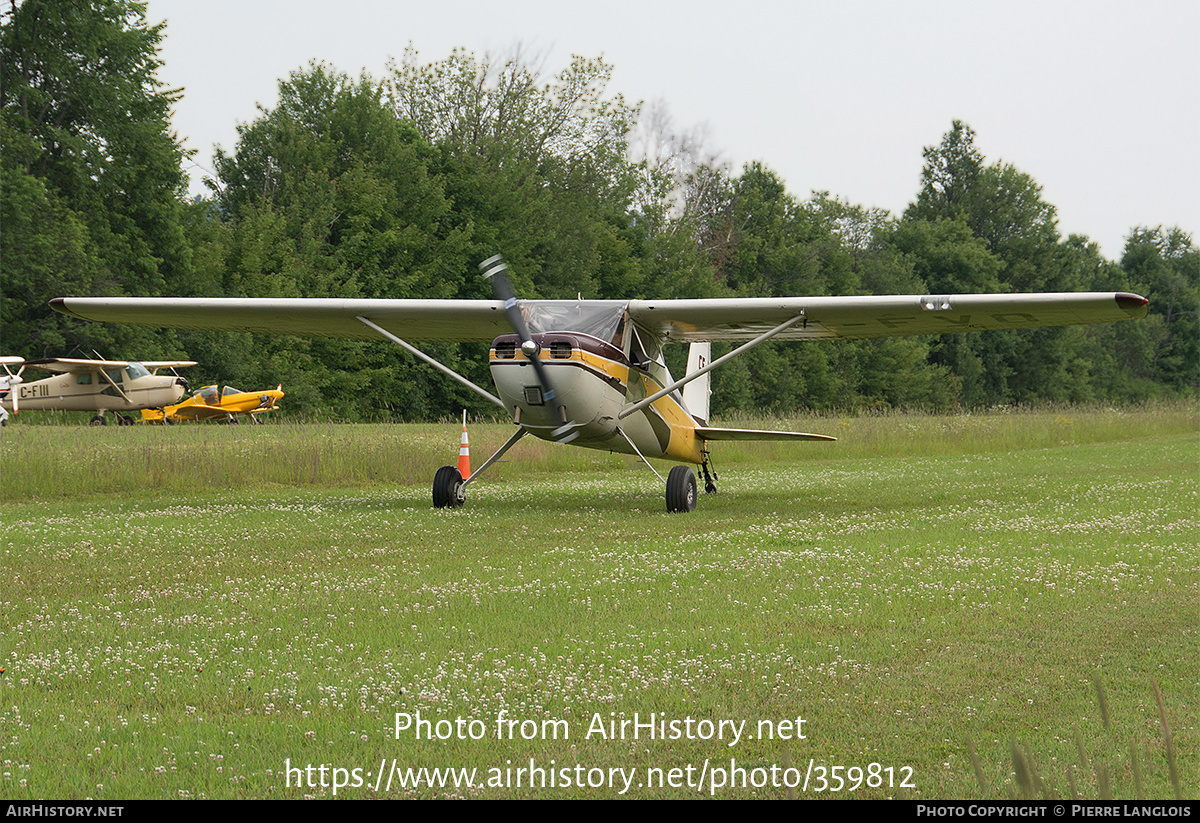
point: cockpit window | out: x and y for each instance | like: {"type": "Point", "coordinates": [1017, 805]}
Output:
{"type": "Point", "coordinates": [603, 319]}
{"type": "Point", "coordinates": [135, 370]}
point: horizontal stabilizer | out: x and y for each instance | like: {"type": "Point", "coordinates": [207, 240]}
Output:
{"type": "Point", "coordinates": [709, 433]}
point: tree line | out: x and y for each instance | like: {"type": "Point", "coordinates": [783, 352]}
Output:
{"type": "Point", "coordinates": [396, 187]}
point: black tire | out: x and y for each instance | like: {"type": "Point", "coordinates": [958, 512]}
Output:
{"type": "Point", "coordinates": [446, 484]}
{"type": "Point", "coordinates": [98, 421]}
{"type": "Point", "coordinates": [681, 490]}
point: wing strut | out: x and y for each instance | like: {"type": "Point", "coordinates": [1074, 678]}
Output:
{"type": "Point", "coordinates": [745, 347]}
{"type": "Point", "coordinates": [633, 445]}
{"type": "Point", "coordinates": [112, 383]}
{"type": "Point", "coordinates": [423, 356]}
{"type": "Point", "coordinates": [508, 444]}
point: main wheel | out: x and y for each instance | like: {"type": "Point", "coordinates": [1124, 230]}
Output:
{"type": "Point", "coordinates": [681, 490]}
{"type": "Point", "coordinates": [446, 484]}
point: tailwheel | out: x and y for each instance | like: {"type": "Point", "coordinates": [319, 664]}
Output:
{"type": "Point", "coordinates": [681, 490]}
{"type": "Point", "coordinates": [447, 488]}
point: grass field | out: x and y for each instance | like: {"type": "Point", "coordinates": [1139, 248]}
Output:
{"type": "Point", "coordinates": [985, 606]}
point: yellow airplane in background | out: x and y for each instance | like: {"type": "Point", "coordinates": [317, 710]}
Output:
{"type": "Point", "coordinates": [222, 403]}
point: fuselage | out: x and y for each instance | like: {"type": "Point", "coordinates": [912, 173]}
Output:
{"type": "Point", "coordinates": [131, 388]}
{"type": "Point", "coordinates": [593, 380]}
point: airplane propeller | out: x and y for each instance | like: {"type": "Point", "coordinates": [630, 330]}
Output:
{"type": "Point", "coordinates": [13, 380]}
{"type": "Point", "coordinates": [181, 381]}
{"type": "Point", "coordinates": [494, 269]}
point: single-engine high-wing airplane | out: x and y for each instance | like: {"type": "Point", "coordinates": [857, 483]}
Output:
{"type": "Point", "coordinates": [591, 372]}
{"type": "Point", "coordinates": [100, 386]}
{"type": "Point", "coordinates": [224, 403]}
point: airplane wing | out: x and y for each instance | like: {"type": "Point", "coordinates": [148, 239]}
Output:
{"type": "Point", "coordinates": [857, 317]}
{"type": "Point", "coordinates": [197, 412]}
{"type": "Point", "coordinates": [63, 365]}
{"type": "Point", "coordinates": [426, 320]}
{"type": "Point", "coordinates": [671, 320]}
{"type": "Point", "coordinates": [151, 365]}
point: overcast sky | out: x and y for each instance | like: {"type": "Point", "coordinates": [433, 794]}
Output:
{"type": "Point", "coordinates": [1098, 101]}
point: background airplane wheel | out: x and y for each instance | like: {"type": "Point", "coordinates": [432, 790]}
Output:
{"type": "Point", "coordinates": [681, 490]}
{"type": "Point", "coordinates": [445, 487]}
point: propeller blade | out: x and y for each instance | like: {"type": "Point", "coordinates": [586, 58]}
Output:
{"type": "Point", "coordinates": [494, 269]}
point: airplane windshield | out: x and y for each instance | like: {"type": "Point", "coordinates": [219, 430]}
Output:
{"type": "Point", "coordinates": [135, 370]}
{"type": "Point", "coordinates": [598, 318]}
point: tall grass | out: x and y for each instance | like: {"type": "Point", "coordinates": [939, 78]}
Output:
{"type": "Point", "coordinates": [51, 462]}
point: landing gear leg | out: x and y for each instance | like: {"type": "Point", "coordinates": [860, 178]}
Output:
{"type": "Point", "coordinates": [449, 487]}
{"type": "Point", "coordinates": [710, 477]}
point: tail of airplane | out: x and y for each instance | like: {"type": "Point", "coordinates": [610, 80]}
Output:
{"type": "Point", "coordinates": [696, 393]}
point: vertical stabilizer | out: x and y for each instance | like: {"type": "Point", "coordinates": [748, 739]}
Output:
{"type": "Point", "coordinates": [695, 393]}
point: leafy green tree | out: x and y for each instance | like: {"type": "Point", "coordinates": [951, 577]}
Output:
{"type": "Point", "coordinates": [1164, 265]}
{"type": "Point", "coordinates": [331, 190]}
{"type": "Point", "coordinates": [535, 170]}
{"type": "Point", "coordinates": [986, 228]}
{"type": "Point", "coordinates": [45, 250]}
{"type": "Point", "coordinates": [330, 195]}
{"type": "Point", "coordinates": [91, 170]}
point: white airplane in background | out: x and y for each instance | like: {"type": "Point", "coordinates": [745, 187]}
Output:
{"type": "Point", "coordinates": [79, 384]}
{"type": "Point", "coordinates": [591, 372]}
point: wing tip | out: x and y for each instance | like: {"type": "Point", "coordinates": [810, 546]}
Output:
{"type": "Point", "coordinates": [59, 304]}
{"type": "Point", "coordinates": [1135, 304]}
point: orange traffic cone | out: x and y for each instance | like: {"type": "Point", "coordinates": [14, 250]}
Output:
{"type": "Point", "coordinates": [464, 452]}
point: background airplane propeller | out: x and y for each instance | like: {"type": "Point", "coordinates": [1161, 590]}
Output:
{"type": "Point", "coordinates": [12, 380]}
{"type": "Point", "coordinates": [494, 269]}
